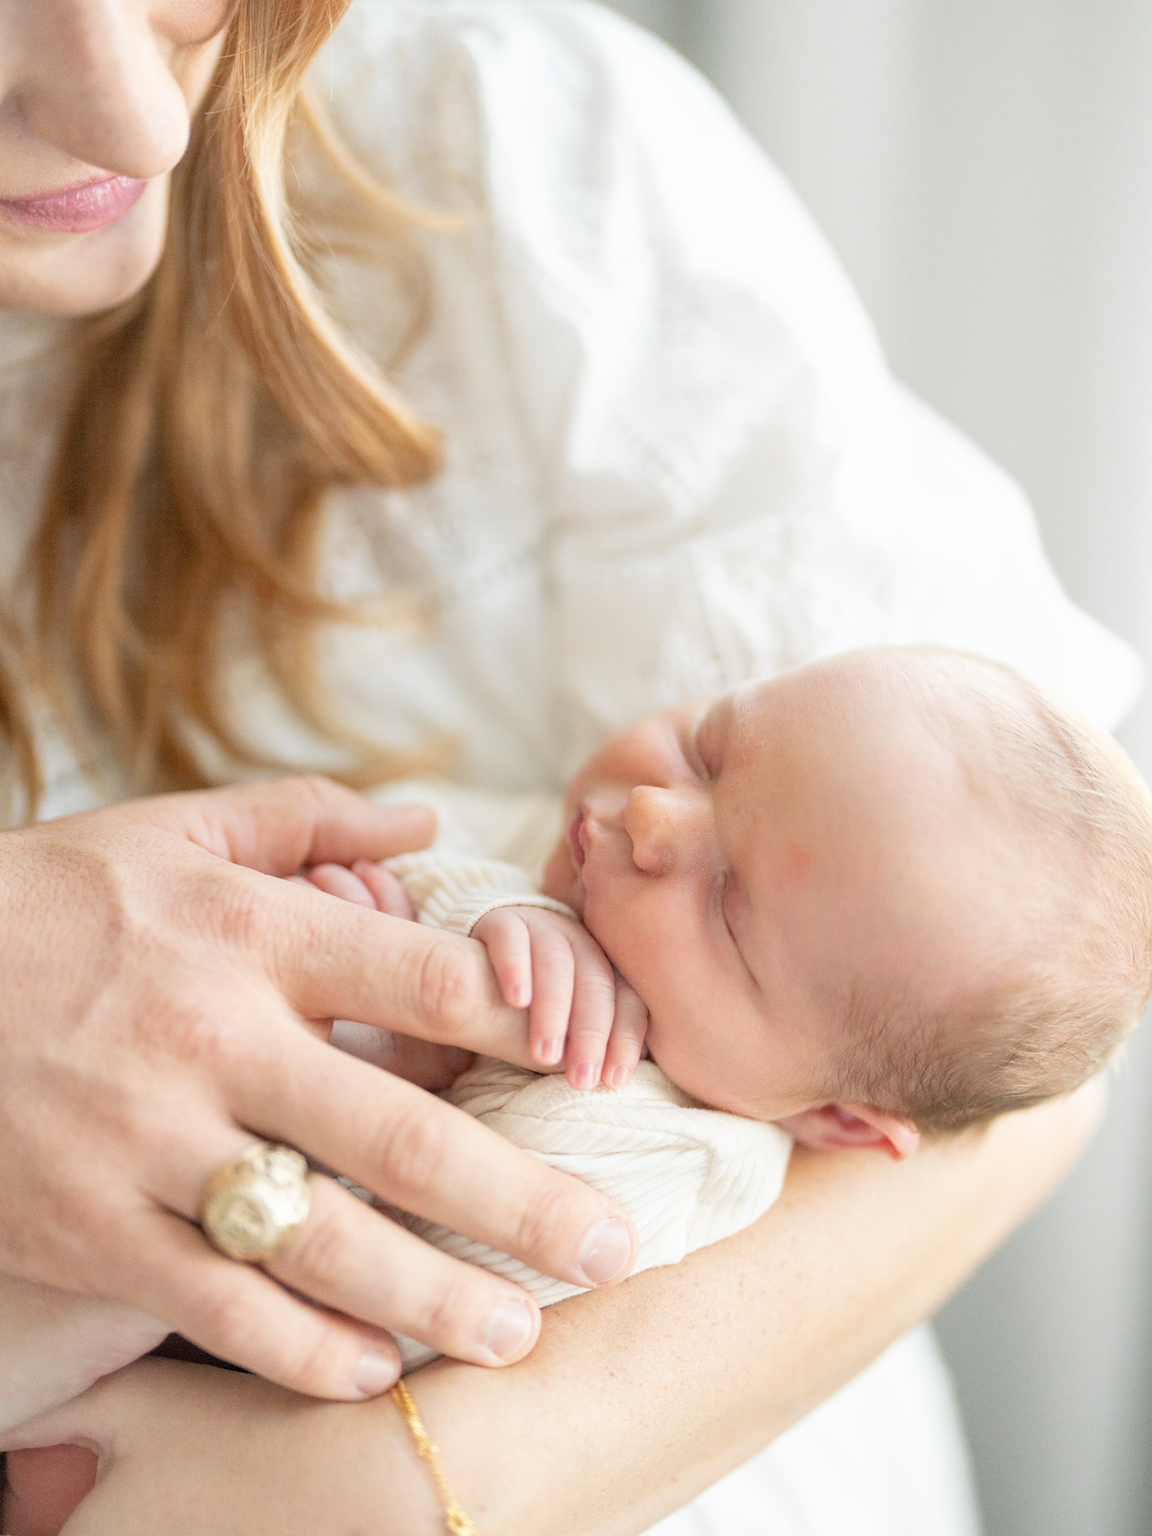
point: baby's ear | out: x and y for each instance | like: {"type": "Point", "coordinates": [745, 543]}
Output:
{"type": "Point", "coordinates": [837, 1126]}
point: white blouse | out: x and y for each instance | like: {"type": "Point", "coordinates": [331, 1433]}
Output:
{"type": "Point", "coordinates": [675, 460]}
{"type": "Point", "coordinates": [675, 457]}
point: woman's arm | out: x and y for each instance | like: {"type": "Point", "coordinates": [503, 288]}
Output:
{"type": "Point", "coordinates": [711, 1359]}
{"type": "Point", "coordinates": [634, 1400]}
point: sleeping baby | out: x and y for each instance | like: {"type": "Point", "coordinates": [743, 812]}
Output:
{"type": "Point", "coordinates": [891, 893]}
{"type": "Point", "coordinates": [894, 892]}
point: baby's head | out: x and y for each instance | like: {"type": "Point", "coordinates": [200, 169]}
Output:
{"type": "Point", "coordinates": [896, 890]}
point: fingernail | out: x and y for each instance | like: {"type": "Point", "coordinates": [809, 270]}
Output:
{"type": "Point", "coordinates": [619, 1077]}
{"type": "Point", "coordinates": [606, 1250]}
{"type": "Point", "coordinates": [584, 1076]}
{"type": "Point", "coordinates": [509, 1328]}
{"type": "Point", "coordinates": [375, 1375]}
{"type": "Point", "coordinates": [550, 1052]}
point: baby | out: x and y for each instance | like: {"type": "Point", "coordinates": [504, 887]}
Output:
{"type": "Point", "coordinates": [894, 892]}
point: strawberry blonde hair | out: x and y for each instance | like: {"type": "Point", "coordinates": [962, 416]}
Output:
{"type": "Point", "coordinates": [211, 413]}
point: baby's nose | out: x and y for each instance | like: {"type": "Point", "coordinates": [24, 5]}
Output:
{"type": "Point", "coordinates": [662, 825]}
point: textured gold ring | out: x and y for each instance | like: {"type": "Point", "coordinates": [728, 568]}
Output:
{"type": "Point", "coordinates": [256, 1202]}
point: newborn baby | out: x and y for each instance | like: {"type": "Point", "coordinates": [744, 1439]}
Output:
{"type": "Point", "coordinates": [893, 892]}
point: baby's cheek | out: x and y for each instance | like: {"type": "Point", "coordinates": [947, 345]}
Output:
{"type": "Point", "coordinates": [561, 880]}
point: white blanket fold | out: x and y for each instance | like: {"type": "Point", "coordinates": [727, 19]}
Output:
{"type": "Point", "coordinates": [687, 1175]}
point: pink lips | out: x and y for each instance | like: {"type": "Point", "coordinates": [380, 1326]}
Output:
{"type": "Point", "coordinates": [75, 210]}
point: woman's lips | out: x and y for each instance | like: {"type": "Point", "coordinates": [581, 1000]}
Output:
{"type": "Point", "coordinates": [75, 210]}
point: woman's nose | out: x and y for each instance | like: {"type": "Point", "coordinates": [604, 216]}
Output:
{"type": "Point", "coordinates": [666, 827]}
{"type": "Point", "coordinates": [92, 78]}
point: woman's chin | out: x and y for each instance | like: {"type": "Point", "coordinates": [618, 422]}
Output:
{"type": "Point", "coordinates": [82, 274]}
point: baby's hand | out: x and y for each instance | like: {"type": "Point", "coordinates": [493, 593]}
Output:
{"type": "Point", "coordinates": [365, 884]}
{"type": "Point", "coordinates": [580, 1009]}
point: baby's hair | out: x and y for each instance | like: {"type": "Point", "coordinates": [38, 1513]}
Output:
{"type": "Point", "coordinates": [1076, 969]}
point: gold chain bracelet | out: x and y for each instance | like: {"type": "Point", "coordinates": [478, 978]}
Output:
{"type": "Point", "coordinates": [456, 1522]}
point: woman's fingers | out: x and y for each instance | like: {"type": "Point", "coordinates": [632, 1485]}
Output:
{"type": "Point", "coordinates": [337, 959]}
{"type": "Point", "coordinates": [428, 1158]}
{"type": "Point", "coordinates": [356, 1259]}
{"type": "Point", "coordinates": [238, 1313]}
{"type": "Point", "coordinates": [279, 825]}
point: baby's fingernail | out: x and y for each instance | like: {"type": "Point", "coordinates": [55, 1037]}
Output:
{"type": "Point", "coordinates": [584, 1076]}
{"type": "Point", "coordinates": [549, 1052]}
{"type": "Point", "coordinates": [376, 1374]}
{"type": "Point", "coordinates": [619, 1077]}
{"type": "Point", "coordinates": [606, 1250]}
{"type": "Point", "coordinates": [509, 1328]}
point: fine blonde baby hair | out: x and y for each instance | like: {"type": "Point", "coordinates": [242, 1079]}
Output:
{"type": "Point", "coordinates": [1075, 819]}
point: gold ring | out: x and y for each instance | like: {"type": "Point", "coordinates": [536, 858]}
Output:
{"type": "Point", "coordinates": [256, 1203]}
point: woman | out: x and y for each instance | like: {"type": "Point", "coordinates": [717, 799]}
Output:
{"type": "Point", "coordinates": [673, 459]}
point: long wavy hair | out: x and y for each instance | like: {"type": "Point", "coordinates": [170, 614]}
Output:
{"type": "Point", "coordinates": [211, 413]}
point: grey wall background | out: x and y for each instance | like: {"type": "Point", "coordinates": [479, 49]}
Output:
{"type": "Point", "coordinates": [984, 168]}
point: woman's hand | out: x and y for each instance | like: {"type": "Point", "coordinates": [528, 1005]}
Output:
{"type": "Point", "coordinates": [159, 985]}
{"type": "Point", "coordinates": [190, 1448]}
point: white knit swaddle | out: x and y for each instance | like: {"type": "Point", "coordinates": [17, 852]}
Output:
{"type": "Point", "coordinates": [688, 1176]}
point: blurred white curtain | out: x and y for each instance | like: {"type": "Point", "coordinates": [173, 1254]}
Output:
{"type": "Point", "coordinates": [984, 168]}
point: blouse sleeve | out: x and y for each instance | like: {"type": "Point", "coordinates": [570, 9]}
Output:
{"type": "Point", "coordinates": [730, 482]}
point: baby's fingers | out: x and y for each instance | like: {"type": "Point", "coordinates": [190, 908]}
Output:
{"type": "Point", "coordinates": [593, 1011]}
{"type": "Point", "coordinates": [555, 978]}
{"type": "Point", "coordinates": [629, 1027]}
{"type": "Point", "coordinates": [505, 936]}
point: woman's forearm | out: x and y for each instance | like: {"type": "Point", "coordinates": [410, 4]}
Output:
{"type": "Point", "coordinates": [634, 1400]}
{"type": "Point", "coordinates": [640, 1397]}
